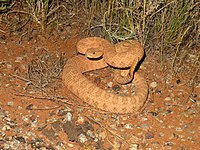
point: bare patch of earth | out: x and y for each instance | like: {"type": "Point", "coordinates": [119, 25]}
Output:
{"type": "Point", "coordinates": [35, 117]}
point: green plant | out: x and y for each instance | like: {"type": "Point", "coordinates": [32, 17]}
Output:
{"type": "Point", "coordinates": [4, 5]}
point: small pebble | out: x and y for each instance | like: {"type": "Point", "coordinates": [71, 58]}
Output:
{"type": "Point", "coordinates": [149, 135]}
{"type": "Point", "coordinates": [80, 120]}
{"type": "Point", "coordinates": [128, 126]}
{"type": "Point", "coordinates": [110, 84]}
{"type": "Point", "coordinates": [168, 144]}
{"type": "Point", "coordinates": [125, 91]}
{"type": "Point", "coordinates": [178, 129]}
{"type": "Point", "coordinates": [20, 139]}
{"type": "Point", "coordinates": [116, 88]}
{"type": "Point", "coordinates": [167, 99]}
{"type": "Point", "coordinates": [6, 128]}
{"type": "Point", "coordinates": [69, 116]}
{"type": "Point", "coordinates": [9, 66]}
{"type": "Point", "coordinates": [19, 107]}
{"type": "Point", "coordinates": [11, 103]}
{"type": "Point", "coordinates": [91, 134]}
{"type": "Point", "coordinates": [18, 59]}
{"type": "Point", "coordinates": [153, 84]}
{"type": "Point", "coordinates": [82, 138]}
{"type": "Point", "coordinates": [133, 147]}
{"type": "Point", "coordinates": [7, 85]}
{"type": "Point", "coordinates": [161, 134]}
{"type": "Point", "coordinates": [70, 145]}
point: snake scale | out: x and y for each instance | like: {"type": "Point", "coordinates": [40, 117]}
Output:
{"type": "Point", "coordinates": [125, 54]}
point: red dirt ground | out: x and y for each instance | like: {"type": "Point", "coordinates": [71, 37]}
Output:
{"type": "Point", "coordinates": [170, 120]}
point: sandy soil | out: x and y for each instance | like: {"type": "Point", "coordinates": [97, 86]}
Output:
{"type": "Point", "coordinates": [53, 118]}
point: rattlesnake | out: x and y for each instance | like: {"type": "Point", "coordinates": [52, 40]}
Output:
{"type": "Point", "coordinates": [118, 56]}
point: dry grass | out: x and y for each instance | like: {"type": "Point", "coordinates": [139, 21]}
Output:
{"type": "Point", "coordinates": [40, 15]}
{"type": "Point", "coordinates": [170, 28]}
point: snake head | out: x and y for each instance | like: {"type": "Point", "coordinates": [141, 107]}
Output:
{"type": "Point", "coordinates": [94, 53]}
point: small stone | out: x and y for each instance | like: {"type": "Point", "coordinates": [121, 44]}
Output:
{"type": "Point", "coordinates": [19, 107]}
{"type": "Point", "coordinates": [168, 144]}
{"type": "Point", "coordinates": [6, 128]}
{"type": "Point", "coordinates": [125, 91]}
{"type": "Point", "coordinates": [149, 135]}
{"type": "Point", "coordinates": [116, 88]}
{"type": "Point", "coordinates": [69, 116]}
{"type": "Point", "coordinates": [82, 138]}
{"type": "Point", "coordinates": [96, 139]}
{"type": "Point", "coordinates": [70, 145]}
{"type": "Point", "coordinates": [110, 84]}
{"type": "Point", "coordinates": [25, 119]}
{"type": "Point", "coordinates": [7, 85]}
{"type": "Point", "coordinates": [9, 66]}
{"type": "Point", "coordinates": [11, 103]}
{"type": "Point", "coordinates": [179, 129]}
{"type": "Point", "coordinates": [128, 126]}
{"type": "Point", "coordinates": [134, 147]}
{"type": "Point", "coordinates": [63, 112]}
{"type": "Point", "coordinates": [161, 134]}
{"type": "Point", "coordinates": [153, 84]}
{"type": "Point", "coordinates": [167, 99]}
{"type": "Point", "coordinates": [29, 107]}
{"type": "Point", "coordinates": [20, 139]}
{"type": "Point", "coordinates": [91, 134]}
{"type": "Point", "coordinates": [18, 59]}
{"type": "Point", "coordinates": [80, 120]}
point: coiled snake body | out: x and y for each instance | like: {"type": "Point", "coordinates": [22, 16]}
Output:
{"type": "Point", "coordinates": [125, 54]}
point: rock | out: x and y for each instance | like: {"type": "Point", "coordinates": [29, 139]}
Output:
{"type": "Point", "coordinates": [21, 139]}
{"type": "Point", "coordinates": [6, 128]}
{"type": "Point", "coordinates": [116, 88]}
{"type": "Point", "coordinates": [70, 145]}
{"type": "Point", "coordinates": [19, 59]}
{"type": "Point", "coordinates": [11, 103]}
{"type": "Point", "coordinates": [149, 135]}
{"type": "Point", "coordinates": [153, 84]}
{"type": "Point", "coordinates": [69, 116]}
{"type": "Point", "coordinates": [167, 99]}
{"type": "Point", "coordinates": [133, 147]}
{"type": "Point", "coordinates": [128, 126]}
{"type": "Point", "coordinates": [80, 120]}
{"type": "Point", "coordinates": [110, 84]}
{"type": "Point", "coordinates": [82, 138]}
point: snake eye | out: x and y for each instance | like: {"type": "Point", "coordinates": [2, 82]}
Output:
{"type": "Point", "coordinates": [93, 53]}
